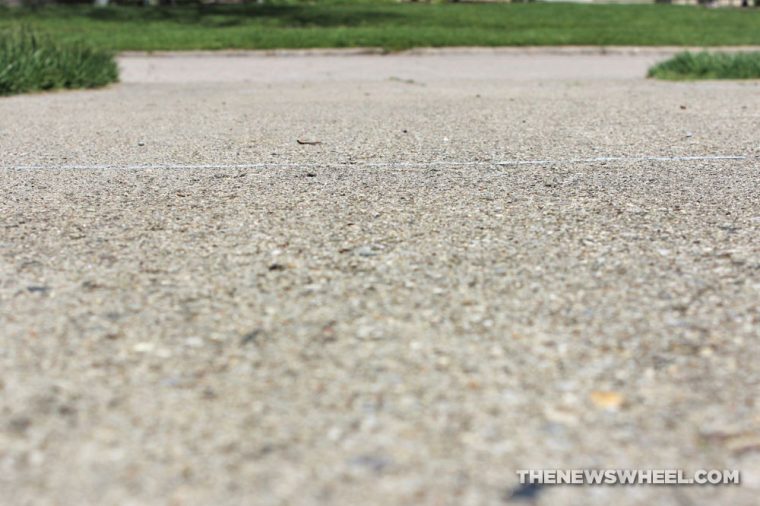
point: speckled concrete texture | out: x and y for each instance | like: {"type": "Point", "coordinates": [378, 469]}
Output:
{"type": "Point", "coordinates": [196, 309]}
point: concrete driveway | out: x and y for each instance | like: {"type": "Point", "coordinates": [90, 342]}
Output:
{"type": "Point", "coordinates": [378, 280]}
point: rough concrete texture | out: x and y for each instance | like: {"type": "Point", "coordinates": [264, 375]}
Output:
{"type": "Point", "coordinates": [338, 327]}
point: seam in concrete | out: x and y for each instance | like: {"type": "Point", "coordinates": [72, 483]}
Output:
{"type": "Point", "coordinates": [274, 165]}
{"type": "Point", "coordinates": [606, 159]}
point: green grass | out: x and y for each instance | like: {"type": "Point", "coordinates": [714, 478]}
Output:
{"type": "Point", "coordinates": [389, 24]}
{"type": "Point", "coordinates": [30, 62]}
{"type": "Point", "coordinates": [706, 65]}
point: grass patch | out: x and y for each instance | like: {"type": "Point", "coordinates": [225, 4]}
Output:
{"type": "Point", "coordinates": [33, 62]}
{"type": "Point", "coordinates": [706, 65]}
{"type": "Point", "coordinates": [389, 24]}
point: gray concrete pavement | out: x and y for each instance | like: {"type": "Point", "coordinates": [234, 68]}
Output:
{"type": "Point", "coordinates": [500, 63]}
{"type": "Point", "coordinates": [197, 309]}
{"type": "Point", "coordinates": [255, 67]}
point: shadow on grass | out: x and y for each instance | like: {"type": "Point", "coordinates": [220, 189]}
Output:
{"type": "Point", "coordinates": [236, 15]}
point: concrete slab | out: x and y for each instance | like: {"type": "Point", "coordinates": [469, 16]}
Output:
{"type": "Point", "coordinates": [197, 309]}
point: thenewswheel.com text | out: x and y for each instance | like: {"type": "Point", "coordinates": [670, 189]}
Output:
{"type": "Point", "coordinates": [628, 477]}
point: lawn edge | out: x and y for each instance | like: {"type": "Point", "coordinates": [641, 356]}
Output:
{"type": "Point", "coordinates": [442, 51]}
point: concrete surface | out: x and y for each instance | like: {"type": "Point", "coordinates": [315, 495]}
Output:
{"type": "Point", "coordinates": [256, 67]}
{"type": "Point", "coordinates": [196, 309]}
{"type": "Point", "coordinates": [350, 64]}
